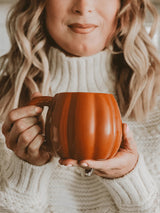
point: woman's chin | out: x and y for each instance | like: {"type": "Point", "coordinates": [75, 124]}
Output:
{"type": "Point", "coordinates": [80, 51]}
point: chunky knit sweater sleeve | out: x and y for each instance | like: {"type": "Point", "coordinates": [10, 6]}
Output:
{"type": "Point", "coordinates": [135, 192]}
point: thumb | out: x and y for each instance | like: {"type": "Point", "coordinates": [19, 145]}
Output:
{"type": "Point", "coordinates": [127, 134]}
{"type": "Point", "coordinates": [35, 99]}
{"type": "Point", "coordinates": [35, 94]}
{"type": "Point", "coordinates": [128, 141]}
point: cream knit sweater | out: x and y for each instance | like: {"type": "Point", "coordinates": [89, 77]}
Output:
{"type": "Point", "coordinates": [53, 188]}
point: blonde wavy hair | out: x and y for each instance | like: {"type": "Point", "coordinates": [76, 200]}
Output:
{"type": "Point", "coordinates": [25, 68]}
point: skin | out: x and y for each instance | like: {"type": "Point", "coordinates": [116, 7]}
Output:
{"type": "Point", "coordinates": [23, 132]}
{"type": "Point", "coordinates": [124, 161]}
{"type": "Point", "coordinates": [61, 14]}
{"type": "Point", "coordinates": [23, 128]}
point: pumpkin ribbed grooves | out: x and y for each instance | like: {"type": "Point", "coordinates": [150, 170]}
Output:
{"type": "Point", "coordinates": [89, 126]}
{"type": "Point", "coordinates": [83, 125]}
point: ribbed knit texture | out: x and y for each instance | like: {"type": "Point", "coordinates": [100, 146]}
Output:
{"type": "Point", "coordinates": [53, 188]}
{"type": "Point", "coordinates": [81, 74]}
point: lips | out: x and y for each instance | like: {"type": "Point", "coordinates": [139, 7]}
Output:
{"type": "Point", "coordinates": [82, 28]}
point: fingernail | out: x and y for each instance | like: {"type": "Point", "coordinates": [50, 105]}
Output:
{"type": "Point", "coordinates": [38, 109]}
{"type": "Point", "coordinates": [84, 164]}
{"type": "Point", "coordinates": [69, 165]}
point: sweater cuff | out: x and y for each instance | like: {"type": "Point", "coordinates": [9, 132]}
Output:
{"type": "Point", "coordinates": [135, 189]}
{"type": "Point", "coordinates": [27, 178]}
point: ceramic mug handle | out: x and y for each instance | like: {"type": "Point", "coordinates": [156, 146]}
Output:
{"type": "Point", "coordinates": [50, 102]}
{"type": "Point", "coordinates": [41, 101]}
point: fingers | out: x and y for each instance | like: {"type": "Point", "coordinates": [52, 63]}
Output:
{"type": "Point", "coordinates": [68, 162]}
{"type": "Point", "coordinates": [100, 165]}
{"type": "Point", "coordinates": [22, 129]}
{"type": "Point", "coordinates": [16, 114]}
{"type": "Point", "coordinates": [25, 139]}
{"type": "Point", "coordinates": [36, 94]}
{"type": "Point", "coordinates": [33, 148]}
{"type": "Point", "coordinates": [111, 168]}
{"type": "Point", "coordinates": [122, 163]}
{"type": "Point", "coordinates": [19, 128]}
{"type": "Point", "coordinates": [33, 152]}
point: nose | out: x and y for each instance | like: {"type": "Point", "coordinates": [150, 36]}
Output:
{"type": "Point", "coordinates": [83, 7]}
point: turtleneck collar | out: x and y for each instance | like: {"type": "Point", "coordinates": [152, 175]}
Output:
{"type": "Point", "coordinates": [81, 74]}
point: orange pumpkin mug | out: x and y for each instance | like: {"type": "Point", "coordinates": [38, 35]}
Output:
{"type": "Point", "coordinates": [82, 125]}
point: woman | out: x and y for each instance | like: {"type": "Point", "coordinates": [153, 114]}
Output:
{"type": "Point", "coordinates": [88, 46]}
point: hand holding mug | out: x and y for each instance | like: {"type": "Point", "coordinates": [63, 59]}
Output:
{"type": "Point", "coordinates": [121, 164]}
{"type": "Point", "coordinates": [23, 132]}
